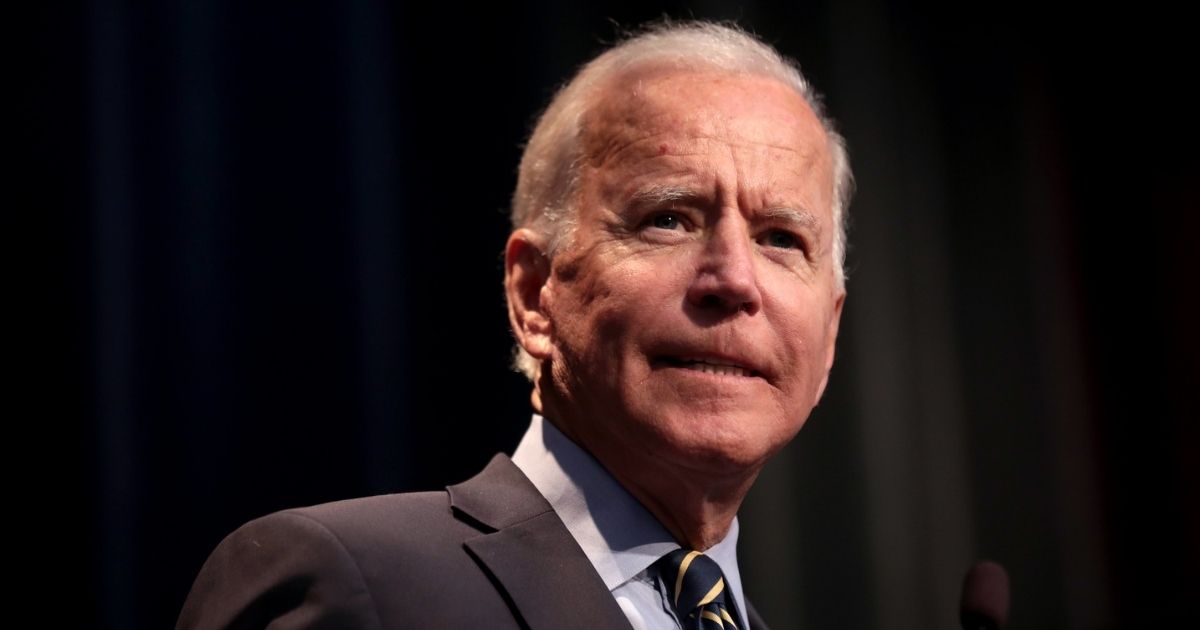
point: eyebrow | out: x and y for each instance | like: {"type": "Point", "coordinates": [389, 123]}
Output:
{"type": "Point", "coordinates": [797, 216]}
{"type": "Point", "coordinates": [661, 194]}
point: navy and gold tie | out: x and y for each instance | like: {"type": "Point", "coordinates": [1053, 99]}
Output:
{"type": "Point", "coordinates": [696, 588]}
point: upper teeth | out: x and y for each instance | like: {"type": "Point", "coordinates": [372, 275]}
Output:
{"type": "Point", "coordinates": [704, 365]}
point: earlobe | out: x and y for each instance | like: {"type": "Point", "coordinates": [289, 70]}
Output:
{"type": "Point", "coordinates": [526, 272]}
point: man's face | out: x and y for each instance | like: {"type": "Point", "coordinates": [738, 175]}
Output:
{"type": "Point", "coordinates": [693, 315]}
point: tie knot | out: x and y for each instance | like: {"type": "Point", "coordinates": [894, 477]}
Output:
{"type": "Point", "coordinates": [696, 587]}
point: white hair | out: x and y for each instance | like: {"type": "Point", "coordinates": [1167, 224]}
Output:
{"type": "Point", "coordinates": [546, 198]}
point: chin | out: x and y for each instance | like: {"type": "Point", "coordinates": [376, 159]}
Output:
{"type": "Point", "coordinates": [734, 441]}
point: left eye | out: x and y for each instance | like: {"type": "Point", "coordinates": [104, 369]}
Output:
{"type": "Point", "coordinates": [782, 239]}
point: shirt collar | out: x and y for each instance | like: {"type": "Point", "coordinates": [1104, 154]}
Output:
{"type": "Point", "coordinates": [617, 534]}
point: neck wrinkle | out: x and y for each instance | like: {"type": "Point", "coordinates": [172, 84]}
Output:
{"type": "Point", "coordinates": [696, 509]}
{"type": "Point", "coordinates": [693, 513]}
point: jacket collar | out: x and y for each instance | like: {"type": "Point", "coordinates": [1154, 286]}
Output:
{"type": "Point", "coordinates": [529, 553]}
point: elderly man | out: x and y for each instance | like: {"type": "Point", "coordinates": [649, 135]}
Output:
{"type": "Point", "coordinates": [674, 285]}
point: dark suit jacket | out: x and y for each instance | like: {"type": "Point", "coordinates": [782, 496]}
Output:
{"type": "Point", "coordinates": [488, 553]}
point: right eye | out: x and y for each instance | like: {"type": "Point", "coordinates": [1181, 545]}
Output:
{"type": "Point", "coordinates": [666, 221]}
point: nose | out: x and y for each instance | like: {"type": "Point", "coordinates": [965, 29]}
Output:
{"type": "Point", "coordinates": [726, 280]}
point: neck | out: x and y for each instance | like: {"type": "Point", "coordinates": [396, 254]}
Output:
{"type": "Point", "coordinates": [695, 505]}
{"type": "Point", "coordinates": [698, 513]}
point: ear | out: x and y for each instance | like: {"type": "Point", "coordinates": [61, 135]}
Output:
{"type": "Point", "coordinates": [526, 270]}
{"type": "Point", "coordinates": [831, 333]}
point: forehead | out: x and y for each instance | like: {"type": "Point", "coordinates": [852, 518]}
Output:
{"type": "Point", "coordinates": [750, 136]}
{"type": "Point", "coordinates": [694, 106]}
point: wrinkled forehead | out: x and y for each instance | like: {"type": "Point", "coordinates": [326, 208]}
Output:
{"type": "Point", "coordinates": [663, 113]}
{"type": "Point", "coordinates": [699, 103]}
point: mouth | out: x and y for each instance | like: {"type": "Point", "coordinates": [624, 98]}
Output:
{"type": "Point", "coordinates": [707, 365]}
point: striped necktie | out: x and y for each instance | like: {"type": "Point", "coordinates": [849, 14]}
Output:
{"type": "Point", "coordinates": [696, 588]}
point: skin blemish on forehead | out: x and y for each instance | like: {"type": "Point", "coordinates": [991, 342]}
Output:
{"type": "Point", "coordinates": [663, 149]}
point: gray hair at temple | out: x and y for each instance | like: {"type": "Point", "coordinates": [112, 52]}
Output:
{"type": "Point", "coordinates": [546, 198]}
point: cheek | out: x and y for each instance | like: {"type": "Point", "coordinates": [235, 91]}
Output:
{"type": "Point", "coordinates": [589, 316]}
{"type": "Point", "coordinates": [803, 338]}
{"type": "Point", "coordinates": [621, 299]}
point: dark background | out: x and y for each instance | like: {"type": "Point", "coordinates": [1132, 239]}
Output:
{"type": "Point", "coordinates": [272, 279]}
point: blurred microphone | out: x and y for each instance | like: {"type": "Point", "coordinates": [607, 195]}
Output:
{"type": "Point", "coordinates": [984, 603]}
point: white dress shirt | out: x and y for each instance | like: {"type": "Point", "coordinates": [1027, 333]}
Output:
{"type": "Point", "coordinates": [618, 535]}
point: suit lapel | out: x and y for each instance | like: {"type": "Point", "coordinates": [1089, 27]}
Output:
{"type": "Point", "coordinates": [530, 554]}
{"type": "Point", "coordinates": [546, 575]}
